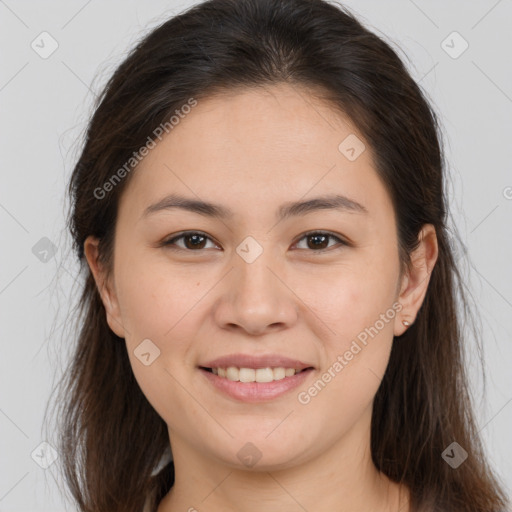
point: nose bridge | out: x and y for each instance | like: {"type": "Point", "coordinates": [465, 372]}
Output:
{"type": "Point", "coordinates": [257, 299]}
{"type": "Point", "coordinates": [254, 280]}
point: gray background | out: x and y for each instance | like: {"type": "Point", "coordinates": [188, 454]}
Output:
{"type": "Point", "coordinates": [45, 103]}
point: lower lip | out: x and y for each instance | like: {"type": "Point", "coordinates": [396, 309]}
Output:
{"type": "Point", "coordinates": [256, 391]}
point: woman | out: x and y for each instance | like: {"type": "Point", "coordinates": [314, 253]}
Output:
{"type": "Point", "coordinates": [270, 289]}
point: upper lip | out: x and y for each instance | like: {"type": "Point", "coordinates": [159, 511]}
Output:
{"type": "Point", "coordinates": [251, 361]}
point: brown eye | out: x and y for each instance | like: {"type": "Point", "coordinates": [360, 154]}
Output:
{"type": "Point", "coordinates": [319, 241]}
{"type": "Point", "coordinates": [192, 241]}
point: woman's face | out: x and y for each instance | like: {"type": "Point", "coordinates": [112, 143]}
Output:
{"type": "Point", "coordinates": [252, 284]}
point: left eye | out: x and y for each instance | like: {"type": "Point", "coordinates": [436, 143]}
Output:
{"type": "Point", "coordinates": [195, 240]}
{"type": "Point", "coordinates": [320, 238]}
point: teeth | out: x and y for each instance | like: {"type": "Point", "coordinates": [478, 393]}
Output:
{"type": "Point", "coordinates": [244, 374]}
{"type": "Point", "coordinates": [280, 373]}
{"type": "Point", "coordinates": [232, 373]}
{"type": "Point", "coordinates": [254, 375]}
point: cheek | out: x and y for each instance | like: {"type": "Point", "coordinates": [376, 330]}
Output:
{"type": "Point", "coordinates": [153, 298]}
{"type": "Point", "coordinates": [350, 298]}
{"type": "Point", "coordinates": [158, 305]}
{"type": "Point", "coordinates": [357, 307]}
{"type": "Point", "coordinates": [355, 361]}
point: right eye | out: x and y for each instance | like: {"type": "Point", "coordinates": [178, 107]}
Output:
{"type": "Point", "coordinates": [192, 240]}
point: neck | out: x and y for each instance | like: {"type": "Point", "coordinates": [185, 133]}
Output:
{"type": "Point", "coordinates": [343, 477]}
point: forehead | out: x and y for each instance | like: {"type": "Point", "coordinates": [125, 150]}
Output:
{"type": "Point", "coordinates": [259, 146]}
{"type": "Point", "coordinates": [276, 121]}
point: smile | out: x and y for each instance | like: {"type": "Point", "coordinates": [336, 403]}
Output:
{"type": "Point", "coordinates": [254, 374]}
{"type": "Point", "coordinates": [255, 384]}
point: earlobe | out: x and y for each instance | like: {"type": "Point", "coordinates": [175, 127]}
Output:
{"type": "Point", "coordinates": [104, 286]}
{"type": "Point", "coordinates": [415, 281]}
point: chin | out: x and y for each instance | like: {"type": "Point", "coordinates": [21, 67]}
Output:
{"type": "Point", "coordinates": [261, 451]}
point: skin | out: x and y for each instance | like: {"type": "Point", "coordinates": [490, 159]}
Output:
{"type": "Point", "coordinates": [253, 151]}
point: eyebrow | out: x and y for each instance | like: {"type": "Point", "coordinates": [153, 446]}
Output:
{"type": "Point", "coordinates": [287, 210]}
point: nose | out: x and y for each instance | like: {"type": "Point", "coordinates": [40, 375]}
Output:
{"type": "Point", "coordinates": [255, 298]}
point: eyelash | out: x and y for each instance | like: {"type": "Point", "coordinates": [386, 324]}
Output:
{"type": "Point", "coordinates": [170, 243]}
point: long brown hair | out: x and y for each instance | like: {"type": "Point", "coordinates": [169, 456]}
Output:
{"type": "Point", "coordinates": [111, 440]}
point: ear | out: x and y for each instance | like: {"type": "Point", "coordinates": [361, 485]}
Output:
{"type": "Point", "coordinates": [415, 281]}
{"type": "Point", "coordinates": [105, 286]}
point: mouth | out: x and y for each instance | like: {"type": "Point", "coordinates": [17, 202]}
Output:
{"type": "Point", "coordinates": [259, 375]}
{"type": "Point", "coordinates": [257, 383]}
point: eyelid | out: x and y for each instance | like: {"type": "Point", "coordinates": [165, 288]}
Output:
{"type": "Point", "coordinates": [170, 242]}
